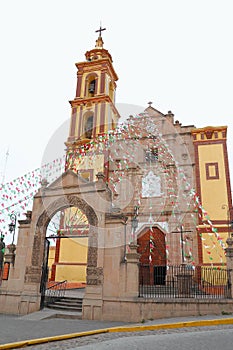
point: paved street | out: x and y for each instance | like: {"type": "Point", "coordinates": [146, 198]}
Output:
{"type": "Point", "coordinates": [13, 328]}
{"type": "Point", "coordinates": [201, 338]}
{"type": "Point", "coordinates": [45, 324]}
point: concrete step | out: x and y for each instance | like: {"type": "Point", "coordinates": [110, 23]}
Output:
{"type": "Point", "coordinates": [66, 301]}
{"type": "Point", "coordinates": [56, 306]}
{"type": "Point", "coordinates": [70, 304]}
{"type": "Point", "coordinates": [71, 300]}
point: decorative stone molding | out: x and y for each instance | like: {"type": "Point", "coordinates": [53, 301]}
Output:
{"type": "Point", "coordinates": [229, 260]}
{"type": "Point", "coordinates": [132, 256]}
{"type": "Point", "coordinates": [36, 249]}
{"type": "Point", "coordinates": [92, 256]}
{"type": "Point", "coordinates": [10, 257]}
{"type": "Point", "coordinates": [229, 252]}
{"type": "Point", "coordinates": [94, 275]}
{"type": "Point", "coordinates": [33, 272]}
{"type": "Point", "coordinates": [66, 202]}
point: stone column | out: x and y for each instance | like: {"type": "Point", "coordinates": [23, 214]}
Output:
{"type": "Point", "coordinates": [10, 256]}
{"type": "Point", "coordinates": [132, 278]}
{"type": "Point", "coordinates": [229, 259]}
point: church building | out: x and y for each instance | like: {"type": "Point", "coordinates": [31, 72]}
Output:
{"type": "Point", "coordinates": [135, 198]}
{"type": "Point", "coordinates": [180, 173]}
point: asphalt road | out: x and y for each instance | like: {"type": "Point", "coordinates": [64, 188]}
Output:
{"type": "Point", "coordinates": [194, 338]}
{"type": "Point", "coordinates": [206, 340]}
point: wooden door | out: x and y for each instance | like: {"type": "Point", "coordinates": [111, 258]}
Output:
{"type": "Point", "coordinates": [154, 271]}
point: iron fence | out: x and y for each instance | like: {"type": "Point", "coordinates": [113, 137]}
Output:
{"type": "Point", "coordinates": [179, 281]}
{"type": "Point", "coordinates": [55, 292]}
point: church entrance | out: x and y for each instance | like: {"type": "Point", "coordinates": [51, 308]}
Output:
{"type": "Point", "coordinates": [152, 250]}
{"type": "Point", "coordinates": [65, 251]}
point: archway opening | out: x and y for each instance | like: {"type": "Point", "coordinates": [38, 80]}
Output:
{"type": "Point", "coordinates": [67, 234]}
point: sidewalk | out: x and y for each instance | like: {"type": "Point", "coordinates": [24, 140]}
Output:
{"type": "Point", "coordinates": [43, 324]}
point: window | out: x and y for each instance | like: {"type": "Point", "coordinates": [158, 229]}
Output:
{"type": "Point", "coordinates": [88, 128]}
{"type": "Point", "coordinates": [151, 155]}
{"type": "Point", "coordinates": [212, 171]}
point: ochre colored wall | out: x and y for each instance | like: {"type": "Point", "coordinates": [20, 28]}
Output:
{"type": "Point", "coordinates": [73, 250]}
{"type": "Point", "coordinates": [72, 273]}
{"type": "Point", "coordinates": [72, 260]}
{"type": "Point", "coordinates": [212, 250]}
{"type": "Point", "coordinates": [96, 163]}
{"type": "Point", "coordinates": [213, 191]}
{"type": "Point", "coordinates": [51, 259]}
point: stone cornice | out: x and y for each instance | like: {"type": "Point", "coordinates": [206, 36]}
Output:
{"type": "Point", "coordinates": [98, 65]}
{"type": "Point", "coordinates": [209, 133]}
{"type": "Point", "coordinates": [96, 99]}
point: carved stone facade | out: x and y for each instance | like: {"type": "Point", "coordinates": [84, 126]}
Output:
{"type": "Point", "coordinates": [94, 275]}
{"type": "Point", "coordinates": [154, 166]}
{"type": "Point", "coordinates": [32, 233]}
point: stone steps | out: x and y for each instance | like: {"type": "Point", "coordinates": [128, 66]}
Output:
{"type": "Point", "coordinates": [70, 304]}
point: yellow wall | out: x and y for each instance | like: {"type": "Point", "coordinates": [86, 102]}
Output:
{"type": "Point", "coordinates": [96, 162]}
{"type": "Point", "coordinates": [213, 192]}
{"type": "Point", "coordinates": [212, 250]}
{"type": "Point", "coordinates": [72, 250]}
{"type": "Point", "coordinates": [71, 273]}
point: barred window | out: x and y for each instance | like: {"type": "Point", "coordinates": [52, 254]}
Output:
{"type": "Point", "coordinates": [151, 155]}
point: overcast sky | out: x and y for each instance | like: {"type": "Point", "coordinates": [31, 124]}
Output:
{"type": "Point", "coordinates": [176, 53]}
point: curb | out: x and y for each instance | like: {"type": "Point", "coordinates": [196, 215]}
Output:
{"type": "Point", "coordinates": [118, 329]}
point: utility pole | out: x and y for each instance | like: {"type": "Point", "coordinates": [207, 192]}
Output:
{"type": "Point", "coordinates": [5, 164]}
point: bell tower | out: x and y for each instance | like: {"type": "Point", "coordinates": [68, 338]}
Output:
{"type": "Point", "coordinates": [93, 109]}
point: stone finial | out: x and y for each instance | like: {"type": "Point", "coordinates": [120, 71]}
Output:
{"type": "Point", "coordinates": [99, 41]}
{"type": "Point", "coordinates": [9, 257]}
{"type": "Point", "coordinates": [28, 215]}
{"type": "Point", "coordinates": [44, 183]}
{"type": "Point", "coordinates": [133, 256]}
{"type": "Point", "coordinates": [100, 176]}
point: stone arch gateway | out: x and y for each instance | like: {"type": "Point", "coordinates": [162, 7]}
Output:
{"type": "Point", "coordinates": [20, 294]}
{"type": "Point", "coordinates": [43, 221]}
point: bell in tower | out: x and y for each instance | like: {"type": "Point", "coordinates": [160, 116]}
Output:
{"type": "Point", "coordinates": [92, 87]}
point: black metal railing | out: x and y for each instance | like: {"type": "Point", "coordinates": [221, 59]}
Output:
{"type": "Point", "coordinates": [55, 292]}
{"type": "Point", "coordinates": [184, 281]}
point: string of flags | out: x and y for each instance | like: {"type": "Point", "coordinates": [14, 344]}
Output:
{"type": "Point", "coordinates": [120, 146]}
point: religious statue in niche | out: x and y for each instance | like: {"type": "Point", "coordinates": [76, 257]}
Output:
{"type": "Point", "coordinates": [151, 185]}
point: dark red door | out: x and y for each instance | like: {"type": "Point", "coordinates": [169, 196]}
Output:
{"type": "Point", "coordinates": [152, 244]}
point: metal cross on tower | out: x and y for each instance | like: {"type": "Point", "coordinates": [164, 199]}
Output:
{"type": "Point", "coordinates": [100, 30]}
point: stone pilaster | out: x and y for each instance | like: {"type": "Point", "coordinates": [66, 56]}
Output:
{"type": "Point", "coordinates": [10, 256]}
{"type": "Point", "coordinates": [229, 259]}
{"type": "Point", "coordinates": [132, 278]}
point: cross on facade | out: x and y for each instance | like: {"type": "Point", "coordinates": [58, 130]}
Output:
{"type": "Point", "coordinates": [100, 30]}
{"type": "Point", "coordinates": [182, 240]}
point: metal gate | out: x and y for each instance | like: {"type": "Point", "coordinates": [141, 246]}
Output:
{"type": "Point", "coordinates": [44, 273]}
